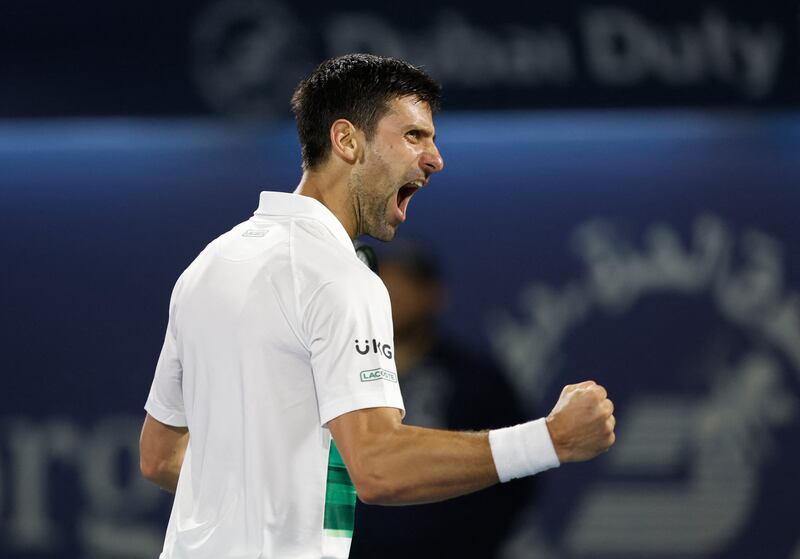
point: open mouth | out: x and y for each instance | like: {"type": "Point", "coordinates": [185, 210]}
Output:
{"type": "Point", "coordinates": [404, 197]}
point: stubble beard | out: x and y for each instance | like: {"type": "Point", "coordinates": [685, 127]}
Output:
{"type": "Point", "coordinates": [371, 209]}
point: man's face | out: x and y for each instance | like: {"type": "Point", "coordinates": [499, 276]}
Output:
{"type": "Point", "coordinates": [398, 160]}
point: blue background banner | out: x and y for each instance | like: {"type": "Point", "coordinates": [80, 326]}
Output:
{"type": "Point", "coordinates": [655, 252]}
{"type": "Point", "coordinates": [244, 57]}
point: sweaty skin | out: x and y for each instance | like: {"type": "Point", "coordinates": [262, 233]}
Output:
{"type": "Point", "coordinates": [395, 464]}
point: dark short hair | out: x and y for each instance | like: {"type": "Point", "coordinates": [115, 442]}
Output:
{"type": "Point", "coordinates": [356, 87]}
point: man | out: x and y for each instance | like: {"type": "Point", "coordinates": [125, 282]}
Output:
{"type": "Point", "coordinates": [279, 344]}
{"type": "Point", "coordinates": [446, 384]}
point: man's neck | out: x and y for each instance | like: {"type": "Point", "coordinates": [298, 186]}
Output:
{"type": "Point", "coordinates": [332, 192]}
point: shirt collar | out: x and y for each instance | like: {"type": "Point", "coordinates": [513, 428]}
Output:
{"type": "Point", "coordinates": [297, 205]}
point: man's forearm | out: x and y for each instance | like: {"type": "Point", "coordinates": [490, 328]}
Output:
{"type": "Point", "coordinates": [395, 464]}
{"type": "Point", "coordinates": [414, 465]}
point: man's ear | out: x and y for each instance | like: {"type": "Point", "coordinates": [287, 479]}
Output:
{"type": "Point", "coordinates": [346, 142]}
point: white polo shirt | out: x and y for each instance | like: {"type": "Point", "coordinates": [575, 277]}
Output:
{"type": "Point", "coordinates": [275, 329]}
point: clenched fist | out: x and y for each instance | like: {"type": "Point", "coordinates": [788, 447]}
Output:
{"type": "Point", "coordinates": [582, 423]}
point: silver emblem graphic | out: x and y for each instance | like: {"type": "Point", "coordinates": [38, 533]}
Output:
{"type": "Point", "coordinates": [249, 56]}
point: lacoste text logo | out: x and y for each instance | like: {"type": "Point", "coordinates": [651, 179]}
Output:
{"type": "Point", "coordinates": [378, 374]}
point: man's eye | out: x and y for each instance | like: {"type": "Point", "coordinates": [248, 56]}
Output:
{"type": "Point", "coordinates": [413, 134]}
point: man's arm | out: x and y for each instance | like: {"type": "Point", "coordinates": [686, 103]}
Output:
{"type": "Point", "coordinates": [392, 463]}
{"type": "Point", "coordinates": [161, 451]}
{"type": "Point", "coordinates": [395, 464]}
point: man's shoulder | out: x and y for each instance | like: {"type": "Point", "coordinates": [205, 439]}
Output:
{"type": "Point", "coordinates": [320, 258]}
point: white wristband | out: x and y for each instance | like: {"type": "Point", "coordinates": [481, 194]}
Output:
{"type": "Point", "coordinates": [522, 450]}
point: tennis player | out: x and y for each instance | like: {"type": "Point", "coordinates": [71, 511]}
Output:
{"type": "Point", "coordinates": [275, 401]}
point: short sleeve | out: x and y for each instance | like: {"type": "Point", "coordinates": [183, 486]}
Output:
{"type": "Point", "coordinates": [348, 326]}
{"type": "Point", "coordinates": [165, 401]}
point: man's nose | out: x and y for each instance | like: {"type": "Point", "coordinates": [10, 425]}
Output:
{"type": "Point", "coordinates": [432, 161]}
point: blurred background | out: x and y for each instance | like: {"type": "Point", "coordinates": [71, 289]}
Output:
{"type": "Point", "coordinates": [620, 202]}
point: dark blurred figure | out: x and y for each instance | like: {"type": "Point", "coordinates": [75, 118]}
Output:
{"type": "Point", "coordinates": [444, 385]}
